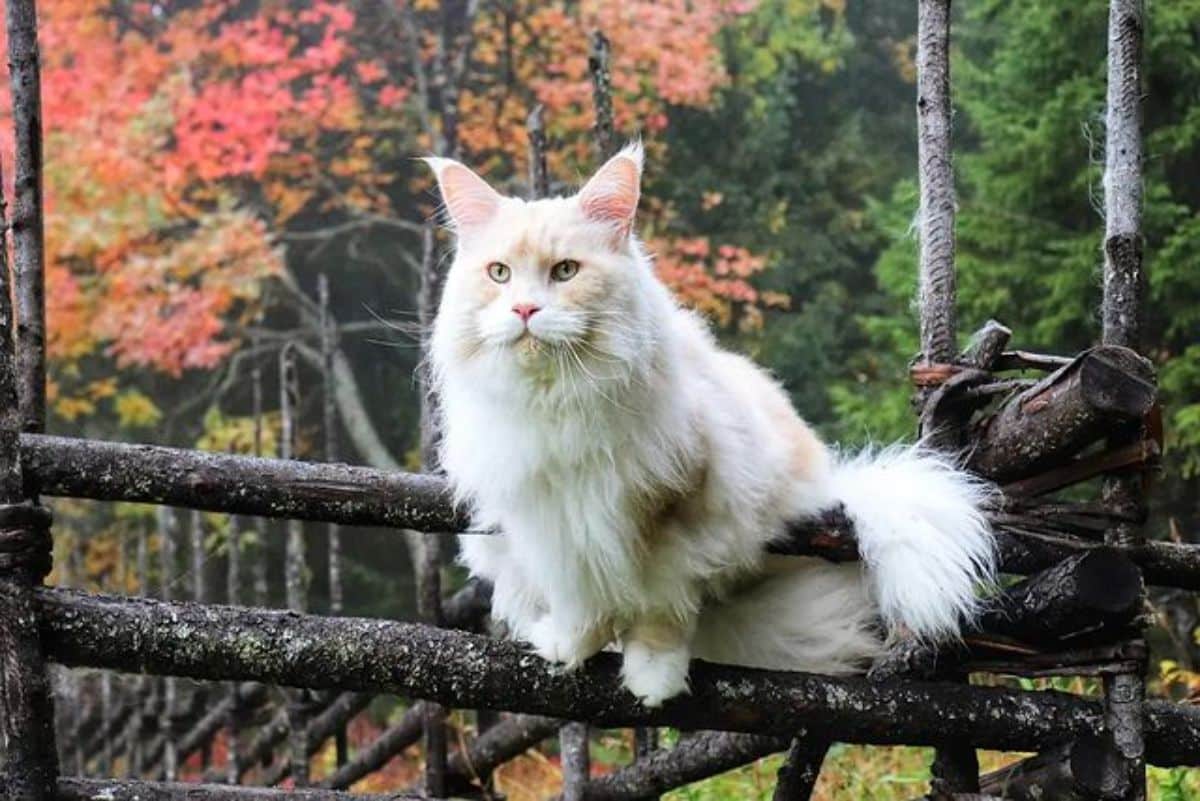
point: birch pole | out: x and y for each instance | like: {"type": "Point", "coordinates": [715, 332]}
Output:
{"type": "Point", "coordinates": [955, 768]}
{"type": "Point", "coordinates": [1123, 310]}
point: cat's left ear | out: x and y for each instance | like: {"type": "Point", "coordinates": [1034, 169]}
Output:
{"type": "Point", "coordinates": [611, 196]}
{"type": "Point", "coordinates": [470, 201]}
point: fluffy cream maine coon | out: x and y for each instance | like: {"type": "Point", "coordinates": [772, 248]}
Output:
{"type": "Point", "coordinates": [638, 471]}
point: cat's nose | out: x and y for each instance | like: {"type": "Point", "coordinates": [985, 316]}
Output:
{"type": "Point", "coordinates": [526, 310]}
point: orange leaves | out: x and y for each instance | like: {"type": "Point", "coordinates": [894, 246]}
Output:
{"type": "Point", "coordinates": [153, 125]}
{"type": "Point", "coordinates": [664, 53]}
{"type": "Point", "coordinates": [715, 282]}
{"type": "Point", "coordinates": [166, 304]}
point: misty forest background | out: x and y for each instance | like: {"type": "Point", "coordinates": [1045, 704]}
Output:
{"type": "Point", "coordinates": [207, 162]}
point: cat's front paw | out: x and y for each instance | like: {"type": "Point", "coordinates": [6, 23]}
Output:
{"type": "Point", "coordinates": [561, 644]}
{"type": "Point", "coordinates": [654, 675]}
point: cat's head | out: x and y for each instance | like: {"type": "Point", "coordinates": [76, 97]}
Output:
{"type": "Point", "coordinates": [532, 280]}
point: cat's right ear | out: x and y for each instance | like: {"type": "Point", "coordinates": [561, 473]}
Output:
{"type": "Point", "coordinates": [470, 201]}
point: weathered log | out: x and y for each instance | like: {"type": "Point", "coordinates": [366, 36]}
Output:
{"type": "Point", "coordinates": [1082, 598]}
{"type": "Point", "coordinates": [223, 643]}
{"type": "Point", "coordinates": [244, 694]}
{"type": "Point", "coordinates": [76, 789]}
{"type": "Point", "coordinates": [216, 482]}
{"type": "Point", "coordinates": [28, 221]}
{"type": "Point", "coordinates": [27, 723]}
{"type": "Point", "coordinates": [797, 777]}
{"type": "Point", "coordinates": [397, 737]}
{"type": "Point", "coordinates": [697, 756]}
{"type": "Point", "coordinates": [987, 345]}
{"type": "Point", "coordinates": [1089, 597]}
{"type": "Point", "coordinates": [365, 497]}
{"type": "Point", "coordinates": [1064, 412]}
{"type": "Point", "coordinates": [574, 747]}
{"type": "Point", "coordinates": [321, 726]}
{"type": "Point", "coordinates": [471, 768]}
{"type": "Point", "coordinates": [1078, 771]}
{"type": "Point", "coordinates": [1123, 313]}
{"type": "Point", "coordinates": [1130, 456]}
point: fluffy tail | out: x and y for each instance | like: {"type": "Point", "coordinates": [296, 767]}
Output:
{"type": "Point", "coordinates": [922, 534]}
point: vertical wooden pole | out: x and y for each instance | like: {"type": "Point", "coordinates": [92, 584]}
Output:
{"type": "Point", "coordinates": [200, 594]}
{"type": "Point", "coordinates": [26, 708]}
{"type": "Point", "coordinates": [170, 707]}
{"type": "Point", "coordinates": [800, 769]}
{"type": "Point", "coordinates": [429, 569]}
{"type": "Point", "coordinates": [936, 175]}
{"type": "Point", "coordinates": [259, 563]}
{"type": "Point", "coordinates": [27, 221]}
{"type": "Point", "coordinates": [142, 718]}
{"type": "Point", "coordinates": [603, 132]}
{"type": "Point", "coordinates": [26, 705]}
{"type": "Point", "coordinates": [233, 597]}
{"type": "Point", "coordinates": [539, 176]}
{"type": "Point", "coordinates": [1123, 310]}
{"type": "Point", "coordinates": [295, 568]}
{"type": "Point", "coordinates": [329, 425]}
{"type": "Point", "coordinates": [576, 760]}
{"type": "Point", "coordinates": [955, 768]}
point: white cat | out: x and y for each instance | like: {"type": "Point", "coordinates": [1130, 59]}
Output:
{"type": "Point", "coordinates": [638, 471]}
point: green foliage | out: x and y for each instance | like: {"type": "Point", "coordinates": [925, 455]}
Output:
{"type": "Point", "coordinates": [1029, 98]}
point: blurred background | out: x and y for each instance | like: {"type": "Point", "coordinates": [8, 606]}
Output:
{"type": "Point", "coordinates": [208, 162]}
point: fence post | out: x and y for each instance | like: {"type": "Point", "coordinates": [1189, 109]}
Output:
{"type": "Point", "coordinates": [26, 708]}
{"type": "Point", "coordinates": [1124, 282]}
{"type": "Point", "coordinates": [329, 423]}
{"type": "Point", "coordinates": [955, 768]}
{"type": "Point", "coordinates": [295, 572]}
{"type": "Point", "coordinates": [429, 577]}
{"type": "Point", "coordinates": [169, 706]}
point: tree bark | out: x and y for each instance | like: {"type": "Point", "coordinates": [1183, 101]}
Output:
{"type": "Point", "coordinates": [1063, 413]}
{"type": "Point", "coordinates": [221, 644]}
{"type": "Point", "coordinates": [25, 84]}
{"type": "Point", "coordinates": [576, 760]}
{"type": "Point", "coordinates": [697, 756]}
{"type": "Point", "coordinates": [75, 789]}
{"type": "Point", "coordinates": [936, 177]}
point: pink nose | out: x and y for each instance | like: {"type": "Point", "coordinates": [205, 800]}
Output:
{"type": "Point", "coordinates": [526, 310]}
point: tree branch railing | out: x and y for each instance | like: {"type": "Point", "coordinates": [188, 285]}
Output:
{"type": "Point", "coordinates": [361, 496]}
{"type": "Point", "coordinates": [216, 643]}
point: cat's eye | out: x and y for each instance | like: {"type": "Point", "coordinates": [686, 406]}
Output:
{"type": "Point", "coordinates": [564, 270]}
{"type": "Point", "coordinates": [499, 272]}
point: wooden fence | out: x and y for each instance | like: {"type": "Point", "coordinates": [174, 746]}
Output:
{"type": "Point", "coordinates": [1077, 611]}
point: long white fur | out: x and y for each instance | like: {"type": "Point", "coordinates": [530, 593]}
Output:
{"type": "Point", "coordinates": [638, 471]}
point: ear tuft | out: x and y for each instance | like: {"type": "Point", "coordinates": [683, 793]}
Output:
{"type": "Point", "coordinates": [470, 201]}
{"type": "Point", "coordinates": [611, 195]}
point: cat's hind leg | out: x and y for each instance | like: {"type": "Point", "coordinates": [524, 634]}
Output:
{"type": "Point", "coordinates": [656, 656]}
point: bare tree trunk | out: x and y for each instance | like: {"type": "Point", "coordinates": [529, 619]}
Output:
{"type": "Point", "coordinates": [1124, 282]}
